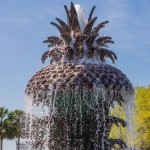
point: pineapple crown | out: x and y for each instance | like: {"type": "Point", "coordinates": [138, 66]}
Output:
{"type": "Point", "coordinates": [76, 42]}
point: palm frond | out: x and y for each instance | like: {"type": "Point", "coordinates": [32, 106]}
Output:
{"type": "Point", "coordinates": [91, 52]}
{"type": "Point", "coordinates": [117, 121]}
{"type": "Point", "coordinates": [68, 15]}
{"type": "Point", "coordinates": [102, 39]}
{"type": "Point", "coordinates": [99, 26]}
{"type": "Point", "coordinates": [114, 55]}
{"type": "Point", "coordinates": [90, 40]}
{"type": "Point", "coordinates": [119, 142]}
{"type": "Point", "coordinates": [107, 53]}
{"type": "Point", "coordinates": [73, 39]}
{"type": "Point", "coordinates": [45, 56]}
{"type": "Point", "coordinates": [74, 19]}
{"type": "Point", "coordinates": [53, 40]}
{"type": "Point", "coordinates": [50, 45]}
{"type": "Point", "coordinates": [110, 56]}
{"type": "Point", "coordinates": [64, 34]}
{"type": "Point", "coordinates": [60, 29]}
{"type": "Point", "coordinates": [105, 42]}
{"type": "Point", "coordinates": [54, 53]}
{"type": "Point", "coordinates": [66, 37]}
{"type": "Point", "coordinates": [91, 13]}
{"type": "Point", "coordinates": [69, 53]}
{"type": "Point", "coordinates": [88, 27]}
{"type": "Point", "coordinates": [109, 41]}
{"type": "Point", "coordinates": [63, 24]}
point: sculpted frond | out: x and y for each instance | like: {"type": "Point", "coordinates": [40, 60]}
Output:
{"type": "Point", "coordinates": [121, 143]}
{"type": "Point", "coordinates": [114, 120]}
{"type": "Point", "coordinates": [68, 15]}
{"type": "Point", "coordinates": [88, 27]}
{"type": "Point", "coordinates": [55, 53]}
{"type": "Point", "coordinates": [75, 26]}
{"type": "Point", "coordinates": [99, 26]}
{"type": "Point", "coordinates": [77, 41]}
{"type": "Point", "coordinates": [107, 53]}
{"type": "Point", "coordinates": [90, 40]}
{"type": "Point", "coordinates": [102, 39]}
{"type": "Point", "coordinates": [63, 25]}
{"type": "Point", "coordinates": [53, 40]}
{"type": "Point", "coordinates": [58, 27]}
{"type": "Point", "coordinates": [45, 56]}
{"type": "Point", "coordinates": [91, 13]}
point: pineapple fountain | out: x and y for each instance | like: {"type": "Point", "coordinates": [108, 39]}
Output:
{"type": "Point", "coordinates": [70, 100]}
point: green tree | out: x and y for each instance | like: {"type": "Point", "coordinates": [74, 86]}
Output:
{"type": "Point", "coordinates": [14, 123]}
{"type": "Point", "coordinates": [142, 104]}
{"type": "Point", "coordinates": [10, 126]}
{"type": "Point", "coordinates": [3, 128]}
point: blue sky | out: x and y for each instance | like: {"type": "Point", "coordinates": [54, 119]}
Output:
{"type": "Point", "coordinates": [25, 24]}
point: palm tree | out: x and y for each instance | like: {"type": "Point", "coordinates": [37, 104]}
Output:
{"type": "Point", "coordinates": [10, 127]}
{"type": "Point", "coordinates": [78, 87]}
{"type": "Point", "coordinates": [14, 124]}
{"type": "Point", "coordinates": [3, 126]}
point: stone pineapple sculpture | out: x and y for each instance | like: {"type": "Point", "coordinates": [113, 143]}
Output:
{"type": "Point", "coordinates": [78, 89]}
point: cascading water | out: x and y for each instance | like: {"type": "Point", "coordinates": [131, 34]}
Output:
{"type": "Point", "coordinates": [69, 101]}
{"type": "Point", "coordinates": [129, 111]}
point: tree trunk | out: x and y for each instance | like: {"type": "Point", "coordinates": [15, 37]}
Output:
{"type": "Point", "coordinates": [1, 144]}
{"type": "Point", "coordinates": [18, 143]}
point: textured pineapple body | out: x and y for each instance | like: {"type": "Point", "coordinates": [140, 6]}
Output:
{"type": "Point", "coordinates": [67, 76]}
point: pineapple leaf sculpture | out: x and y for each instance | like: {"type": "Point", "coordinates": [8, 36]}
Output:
{"type": "Point", "coordinates": [77, 90]}
{"type": "Point", "coordinates": [75, 43]}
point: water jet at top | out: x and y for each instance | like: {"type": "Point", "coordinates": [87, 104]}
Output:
{"type": "Point", "coordinates": [69, 101]}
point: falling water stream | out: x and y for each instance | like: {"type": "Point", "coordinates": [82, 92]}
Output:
{"type": "Point", "coordinates": [131, 132]}
{"type": "Point", "coordinates": [72, 119]}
